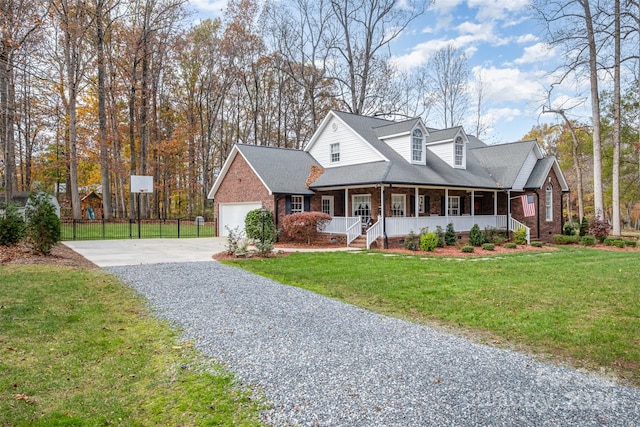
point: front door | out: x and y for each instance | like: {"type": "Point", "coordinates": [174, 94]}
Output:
{"type": "Point", "coordinates": [361, 206]}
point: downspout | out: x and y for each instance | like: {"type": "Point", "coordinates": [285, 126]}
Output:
{"type": "Point", "coordinates": [508, 211]}
{"type": "Point", "coordinates": [277, 199]}
{"type": "Point", "coordinates": [538, 200]}
{"type": "Point", "coordinates": [384, 220]}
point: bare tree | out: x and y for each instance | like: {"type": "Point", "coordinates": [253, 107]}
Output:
{"type": "Point", "coordinates": [446, 74]}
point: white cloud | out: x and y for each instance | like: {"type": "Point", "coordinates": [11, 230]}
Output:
{"type": "Point", "coordinates": [497, 9]}
{"type": "Point", "coordinates": [444, 6]}
{"type": "Point", "coordinates": [512, 84]}
{"type": "Point", "coordinates": [527, 38]}
{"type": "Point", "coordinates": [538, 52]}
{"type": "Point", "coordinates": [209, 6]}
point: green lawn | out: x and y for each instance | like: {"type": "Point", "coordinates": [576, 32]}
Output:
{"type": "Point", "coordinates": [96, 230]}
{"type": "Point", "coordinates": [77, 348]}
{"type": "Point", "coordinates": [579, 305]}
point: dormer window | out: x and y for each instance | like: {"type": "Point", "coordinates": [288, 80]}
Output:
{"type": "Point", "coordinates": [335, 153]}
{"type": "Point", "coordinates": [416, 146]}
{"type": "Point", "coordinates": [459, 152]}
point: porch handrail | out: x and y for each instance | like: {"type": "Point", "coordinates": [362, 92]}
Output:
{"type": "Point", "coordinates": [373, 233]}
{"type": "Point", "coordinates": [515, 224]}
{"type": "Point", "coordinates": [354, 230]}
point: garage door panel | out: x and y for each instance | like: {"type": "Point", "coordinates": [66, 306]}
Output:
{"type": "Point", "coordinates": [232, 215]}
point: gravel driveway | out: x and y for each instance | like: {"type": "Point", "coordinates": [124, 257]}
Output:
{"type": "Point", "coordinates": [322, 362]}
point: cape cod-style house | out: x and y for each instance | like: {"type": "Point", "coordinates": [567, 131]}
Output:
{"type": "Point", "coordinates": [380, 179]}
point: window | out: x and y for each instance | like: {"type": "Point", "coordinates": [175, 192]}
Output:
{"type": "Point", "coordinates": [361, 205]}
{"type": "Point", "coordinates": [297, 204]}
{"type": "Point", "coordinates": [459, 153]}
{"type": "Point", "coordinates": [454, 206]}
{"type": "Point", "coordinates": [416, 146]}
{"type": "Point", "coordinates": [335, 152]}
{"type": "Point", "coordinates": [549, 202]}
{"type": "Point", "coordinates": [421, 208]}
{"type": "Point", "coordinates": [398, 204]}
{"type": "Point", "coordinates": [327, 205]}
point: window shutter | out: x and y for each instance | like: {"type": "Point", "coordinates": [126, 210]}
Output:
{"type": "Point", "coordinates": [288, 205]}
{"type": "Point", "coordinates": [427, 204]}
{"type": "Point", "coordinates": [307, 203]}
{"type": "Point", "coordinates": [412, 205]}
{"type": "Point", "coordinates": [442, 212]}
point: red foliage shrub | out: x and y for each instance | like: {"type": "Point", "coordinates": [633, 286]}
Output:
{"type": "Point", "coordinates": [599, 229]}
{"type": "Point", "coordinates": [304, 226]}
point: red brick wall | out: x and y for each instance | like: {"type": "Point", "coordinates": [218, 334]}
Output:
{"type": "Point", "coordinates": [240, 184]}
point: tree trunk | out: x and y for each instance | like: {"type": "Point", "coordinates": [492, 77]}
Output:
{"type": "Point", "coordinates": [102, 114]}
{"type": "Point", "coordinates": [615, 178]}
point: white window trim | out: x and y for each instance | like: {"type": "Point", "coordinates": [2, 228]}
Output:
{"type": "Point", "coordinates": [354, 208]}
{"type": "Point", "coordinates": [301, 198]}
{"type": "Point", "coordinates": [329, 199]}
{"type": "Point", "coordinates": [549, 202]}
{"type": "Point", "coordinates": [402, 205]}
{"type": "Point", "coordinates": [451, 210]}
{"type": "Point", "coordinates": [422, 147]}
{"type": "Point", "coordinates": [464, 153]}
{"type": "Point", "coordinates": [333, 153]}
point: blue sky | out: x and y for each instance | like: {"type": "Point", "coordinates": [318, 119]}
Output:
{"type": "Point", "coordinates": [504, 45]}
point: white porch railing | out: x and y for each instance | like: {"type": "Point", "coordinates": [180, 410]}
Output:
{"type": "Point", "coordinates": [373, 233]}
{"type": "Point", "coordinates": [514, 225]}
{"type": "Point", "coordinates": [350, 225]}
{"type": "Point", "coordinates": [354, 230]}
{"type": "Point", "coordinates": [401, 226]}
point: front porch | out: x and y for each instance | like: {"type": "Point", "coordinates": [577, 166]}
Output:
{"type": "Point", "coordinates": [353, 227]}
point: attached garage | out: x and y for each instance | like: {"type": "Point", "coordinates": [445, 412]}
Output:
{"type": "Point", "coordinates": [232, 215]}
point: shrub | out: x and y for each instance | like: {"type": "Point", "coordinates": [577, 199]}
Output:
{"type": "Point", "coordinates": [520, 236]}
{"type": "Point", "coordinates": [510, 245]}
{"type": "Point", "coordinates": [631, 243]}
{"type": "Point", "coordinates": [43, 225]}
{"type": "Point", "coordinates": [467, 248]}
{"type": "Point", "coordinates": [411, 241]}
{"type": "Point", "coordinates": [441, 240]}
{"type": "Point", "coordinates": [494, 235]}
{"type": "Point", "coordinates": [304, 226]}
{"type": "Point", "coordinates": [536, 244]}
{"type": "Point", "coordinates": [588, 240]}
{"type": "Point", "coordinates": [450, 238]}
{"type": "Point", "coordinates": [253, 225]}
{"type": "Point", "coordinates": [237, 244]}
{"type": "Point", "coordinates": [599, 229]}
{"type": "Point", "coordinates": [12, 226]}
{"type": "Point", "coordinates": [618, 243]}
{"type": "Point", "coordinates": [488, 246]}
{"type": "Point", "coordinates": [475, 236]}
{"type": "Point", "coordinates": [561, 239]}
{"type": "Point", "coordinates": [569, 228]}
{"type": "Point", "coordinates": [428, 241]}
{"type": "Point", "coordinates": [584, 226]}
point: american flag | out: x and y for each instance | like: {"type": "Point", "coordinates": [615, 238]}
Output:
{"type": "Point", "coordinates": [528, 205]}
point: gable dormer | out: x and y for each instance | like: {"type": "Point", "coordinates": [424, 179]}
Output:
{"type": "Point", "coordinates": [407, 138]}
{"type": "Point", "coordinates": [450, 145]}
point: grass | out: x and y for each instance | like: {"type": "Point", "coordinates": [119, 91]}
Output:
{"type": "Point", "coordinates": [579, 305]}
{"type": "Point", "coordinates": [79, 348]}
{"type": "Point", "coordinates": [96, 230]}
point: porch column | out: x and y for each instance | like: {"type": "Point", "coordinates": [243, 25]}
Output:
{"type": "Point", "coordinates": [473, 203]}
{"type": "Point", "coordinates": [446, 204]}
{"type": "Point", "coordinates": [346, 202]}
{"type": "Point", "coordinates": [495, 202]}
{"type": "Point", "coordinates": [382, 206]}
{"type": "Point", "coordinates": [416, 202]}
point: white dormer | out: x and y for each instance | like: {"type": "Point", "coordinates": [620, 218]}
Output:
{"type": "Point", "coordinates": [406, 138]}
{"type": "Point", "coordinates": [450, 145]}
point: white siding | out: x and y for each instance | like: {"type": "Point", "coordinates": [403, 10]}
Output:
{"type": "Point", "coordinates": [353, 150]}
{"type": "Point", "coordinates": [444, 151]}
{"type": "Point", "coordinates": [401, 145]}
{"type": "Point", "coordinates": [525, 172]}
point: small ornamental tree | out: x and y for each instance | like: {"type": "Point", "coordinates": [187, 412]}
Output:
{"type": "Point", "coordinates": [584, 226]}
{"type": "Point", "coordinates": [253, 225]}
{"type": "Point", "coordinates": [476, 238]}
{"type": "Point", "coordinates": [428, 241]}
{"type": "Point", "coordinates": [599, 229]}
{"type": "Point", "coordinates": [304, 226]}
{"type": "Point", "coordinates": [43, 225]}
{"type": "Point", "coordinates": [11, 226]}
{"type": "Point", "coordinates": [450, 235]}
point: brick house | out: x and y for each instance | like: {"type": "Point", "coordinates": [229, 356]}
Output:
{"type": "Point", "coordinates": [379, 180]}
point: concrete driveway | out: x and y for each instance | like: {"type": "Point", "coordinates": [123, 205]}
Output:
{"type": "Point", "coordinates": [108, 253]}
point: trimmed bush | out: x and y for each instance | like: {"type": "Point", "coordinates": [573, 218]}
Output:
{"type": "Point", "coordinates": [584, 226]}
{"type": "Point", "coordinates": [253, 225]}
{"type": "Point", "coordinates": [428, 241]}
{"type": "Point", "coordinates": [476, 238]}
{"type": "Point", "coordinates": [304, 226]}
{"type": "Point", "coordinates": [631, 243]}
{"type": "Point", "coordinates": [569, 228]}
{"type": "Point", "coordinates": [494, 235]}
{"type": "Point", "coordinates": [450, 238]}
{"type": "Point", "coordinates": [488, 246]}
{"type": "Point", "coordinates": [618, 243]}
{"type": "Point", "coordinates": [536, 244]}
{"type": "Point", "coordinates": [467, 248]}
{"type": "Point", "coordinates": [441, 240]}
{"type": "Point", "coordinates": [411, 241]}
{"type": "Point", "coordinates": [588, 240]}
{"type": "Point", "coordinates": [12, 226]}
{"type": "Point", "coordinates": [43, 225]}
{"type": "Point", "coordinates": [520, 236]}
{"type": "Point", "coordinates": [599, 229]}
{"type": "Point", "coordinates": [561, 239]}
{"type": "Point", "coordinates": [510, 245]}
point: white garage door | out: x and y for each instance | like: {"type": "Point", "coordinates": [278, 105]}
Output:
{"type": "Point", "coordinates": [232, 215]}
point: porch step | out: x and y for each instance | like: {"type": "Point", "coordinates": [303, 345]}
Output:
{"type": "Point", "coordinates": [360, 242]}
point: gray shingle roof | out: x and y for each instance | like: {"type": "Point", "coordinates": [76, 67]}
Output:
{"type": "Point", "coordinates": [503, 161]}
{"type": "Point", "coordinates": [395, 128]}
{"type": "Point", "coordinates": [283, 170]}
